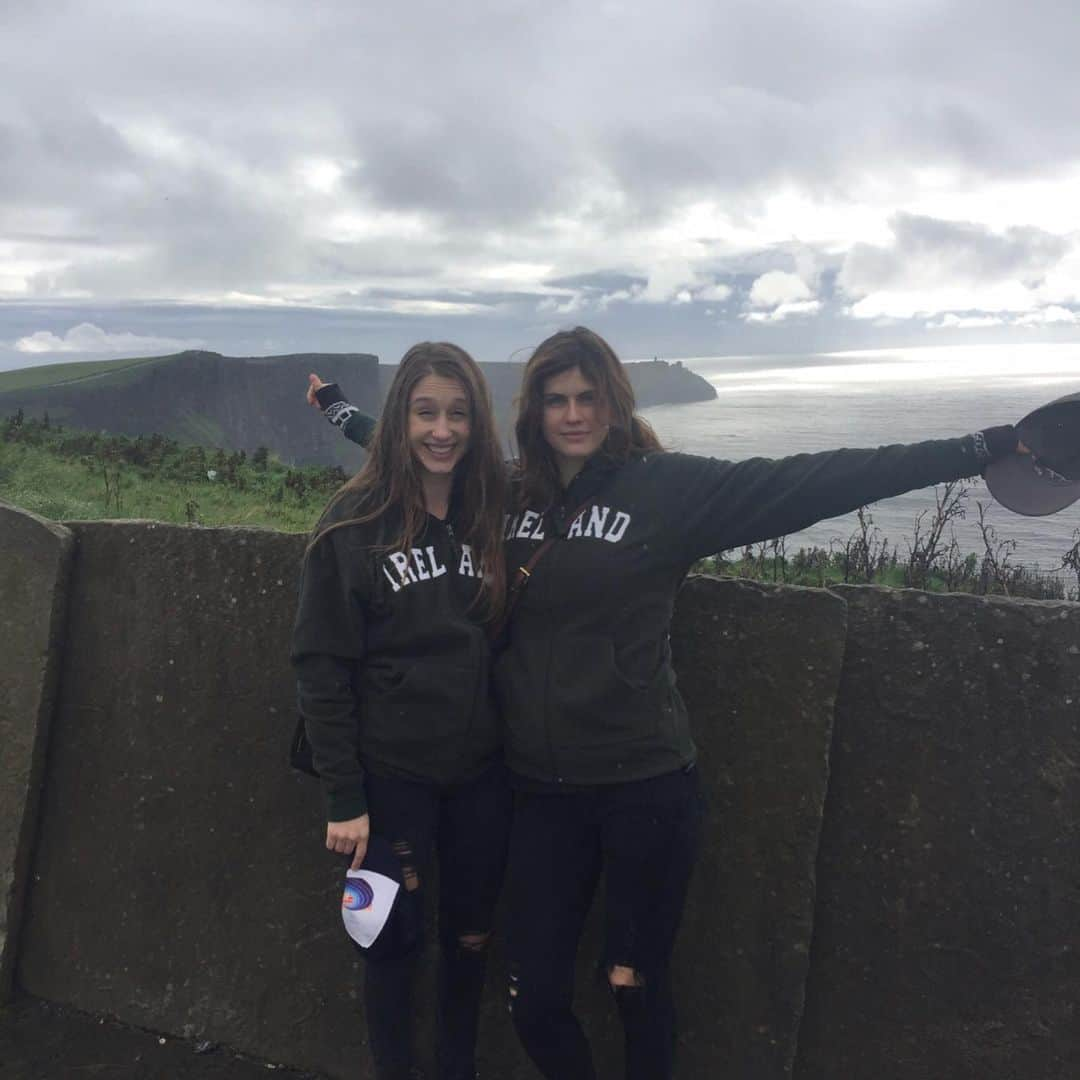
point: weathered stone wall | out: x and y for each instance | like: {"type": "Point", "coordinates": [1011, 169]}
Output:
{"type": "Point", "coordinates": [760, 668]}
{"type": "Point", "coordinates": [34, 560]}
{"type": "Point", "coordinates": [180, 881]}
{"type": "Point", "coordinates": [947, 941]}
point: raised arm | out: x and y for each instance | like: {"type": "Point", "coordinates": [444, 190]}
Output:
{"type": "Point", "coordinates": [328, 398]}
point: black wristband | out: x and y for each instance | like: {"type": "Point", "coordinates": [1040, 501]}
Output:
{"type": "Point", "coordinates": [328, 395]}
{"type": "Point", "coordinates": [995, 442]}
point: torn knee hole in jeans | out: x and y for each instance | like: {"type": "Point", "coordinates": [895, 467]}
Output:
{"type": "Point", "coordinates": [473, 943]}
{"type": "Point", "coordinates": [403, 850]}
{"type": "Point", "coordinates": [624, 977]}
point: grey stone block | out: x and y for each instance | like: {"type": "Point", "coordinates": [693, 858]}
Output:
{"type": "Point", "coordinates": [946, 942]}
{"type": "Point", "coordinates": [181, 881]}
{"type": "Point", "coordinates": [35, 557]}
{"type": "Point", "coordinates": [760, 668]}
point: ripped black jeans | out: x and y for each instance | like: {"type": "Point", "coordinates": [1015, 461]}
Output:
{"type": "Point", "coordinates": [643, 836]}
{"type": "Point", "coordinates": [465, 828]}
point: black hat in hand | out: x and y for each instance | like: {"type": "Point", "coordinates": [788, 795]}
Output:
{"type": "Point", "coordinates": [1048, 479]}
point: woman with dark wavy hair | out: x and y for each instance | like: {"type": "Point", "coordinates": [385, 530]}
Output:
{"type": "Point", "coordinates": [401, 579]}
{"type": "Point", "coordinates": [606, 524]}
{"type": "Point", "coordinates": [598, 741]}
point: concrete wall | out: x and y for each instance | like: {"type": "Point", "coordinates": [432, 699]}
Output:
{"type": "Point", "coordinates": [35, 557]}
{"type": "Point", "coordinates": [179, 880]}
{"type": "Point", "coordinates": [947, 941]}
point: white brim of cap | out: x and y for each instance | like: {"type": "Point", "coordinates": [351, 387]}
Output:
{"type": "Point", "coordinates": [364, 924]}
{"type": "Point", "coordinates": [1019, 485]}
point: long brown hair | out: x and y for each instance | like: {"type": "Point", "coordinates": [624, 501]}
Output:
{"type": "Point", "coordinates": [389, 485]}
{"type": "Point", "coordinates": [628, 434]}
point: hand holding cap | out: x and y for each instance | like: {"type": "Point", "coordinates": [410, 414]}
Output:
{"type": "Point", "coordinates": [1043, 476]}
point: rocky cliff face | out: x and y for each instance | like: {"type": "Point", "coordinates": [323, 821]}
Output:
{"type": "Point", "coordinates": [238, 403]}
{"type": "Point", "coordinates": [241, 403]}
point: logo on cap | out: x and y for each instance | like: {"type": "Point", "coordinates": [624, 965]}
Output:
{"type": "Point", "coordinates": [1041, 469]}
{"type": "Point", "coordinates": [358, 895]}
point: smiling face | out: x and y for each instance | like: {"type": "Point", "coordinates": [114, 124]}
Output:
{"type": "Point", "coordinates": [575, 420]}
{"type": "Point", "coordinates": [439, 424]}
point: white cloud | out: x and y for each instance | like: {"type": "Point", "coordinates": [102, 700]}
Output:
{"type": "Point", "coordinates": [1010, 296]}
{"type": "Point", "coordinates": [784, 311]}
{"type": "Point", "coordinates": [778, 287]}
{"type": "Point", "coordinates": [667, 279]}
{"type": "Point", "coordinates": [1062, 284]}
{"type": "Point", "coordinates": [619, 296]}
{"type": "Point", "coordinates": [934, 266]}
{"type": "Point", "coordinates": [1049, 316]}
{"type": "Point", "coordinates": [714, 293]}
{"type": "Point", "coordinates": [567, 306]}
{"type": "Point", "coordinates": [88, 338]}
{"type": "Point", "coordinates": [952, 321]}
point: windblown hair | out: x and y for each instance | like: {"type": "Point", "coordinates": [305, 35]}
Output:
{"type": "Point", "coordinates": [388, 485]}
{"type": "Point", "coordinates": [628, 434]}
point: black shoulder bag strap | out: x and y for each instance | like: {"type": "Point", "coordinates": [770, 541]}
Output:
{"type": "Point", "coordinates": [521, 577]}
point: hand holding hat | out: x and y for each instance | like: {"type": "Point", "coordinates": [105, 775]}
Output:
{"type": "Point", "coordinates": [369, 894]}
{"type": "Point", "coordinates": [1043, 477]}
{"type": "Point", "coordinates": [349, 838]}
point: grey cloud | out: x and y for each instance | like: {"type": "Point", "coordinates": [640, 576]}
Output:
{"type": "Point", "coordinates": [495, 120]}
{"type": "Point", "coordinates": [51, 152]}
{"type": "Point", "coordinates": [46, 239]}
{"type": "Point", "coordinates": [466, 168]}
{"type": "Point", "coordinates": [599, 281]}
{"type": "Point", "coordinates": [961, 253]}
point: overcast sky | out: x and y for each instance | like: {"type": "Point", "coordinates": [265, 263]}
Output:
{"type": "Point", "coordinates": [689, 178]}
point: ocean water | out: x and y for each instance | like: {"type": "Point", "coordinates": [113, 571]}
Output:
{"type": "Point", "coordinates": [779, 405]}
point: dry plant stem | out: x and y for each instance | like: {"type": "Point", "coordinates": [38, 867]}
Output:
{"type": "Point", "coordinates": [925, 548]}
{"type": "Point", "coordinates": [996, 569]}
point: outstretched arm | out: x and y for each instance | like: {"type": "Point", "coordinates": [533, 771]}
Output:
{"type": "Point", "coordinates": [328, 398]}
{"type": "Point", "coordinates": [725, 504]}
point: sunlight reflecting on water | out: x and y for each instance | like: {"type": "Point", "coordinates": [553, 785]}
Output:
{"type": "Point", "coordinates": [778, 405]}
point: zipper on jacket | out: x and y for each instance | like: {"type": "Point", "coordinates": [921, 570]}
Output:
{"type": "Point", "coordinates": [455, 553]}
{"type": "Point", "coordinates": [555, 548]}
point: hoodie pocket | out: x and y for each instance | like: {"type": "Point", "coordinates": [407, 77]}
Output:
{"type": "Point", "coordinates": [417, 702]}
{"type": "Point", "coordinates": [593, 702]}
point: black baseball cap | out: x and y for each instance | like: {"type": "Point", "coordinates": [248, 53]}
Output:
{"type": "Point", "coordinates": [1048, 479]}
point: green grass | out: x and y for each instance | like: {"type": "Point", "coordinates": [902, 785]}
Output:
{"type": "Point", "coordinates": [35, 378]}
{"type": "Point", "coordinates": [68, 491]}
{"type": "Point", "coordinates": [198, 429]}
{"type": "Point", "coordinates": [85, 476]}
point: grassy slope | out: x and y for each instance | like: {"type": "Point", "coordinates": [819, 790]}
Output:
{"type": "Point", "coordinates": [34, 378]}
{"type": "Point", "coordinates": [197, 429]}
{"type": "Point", "coordinates": [49, 485]}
